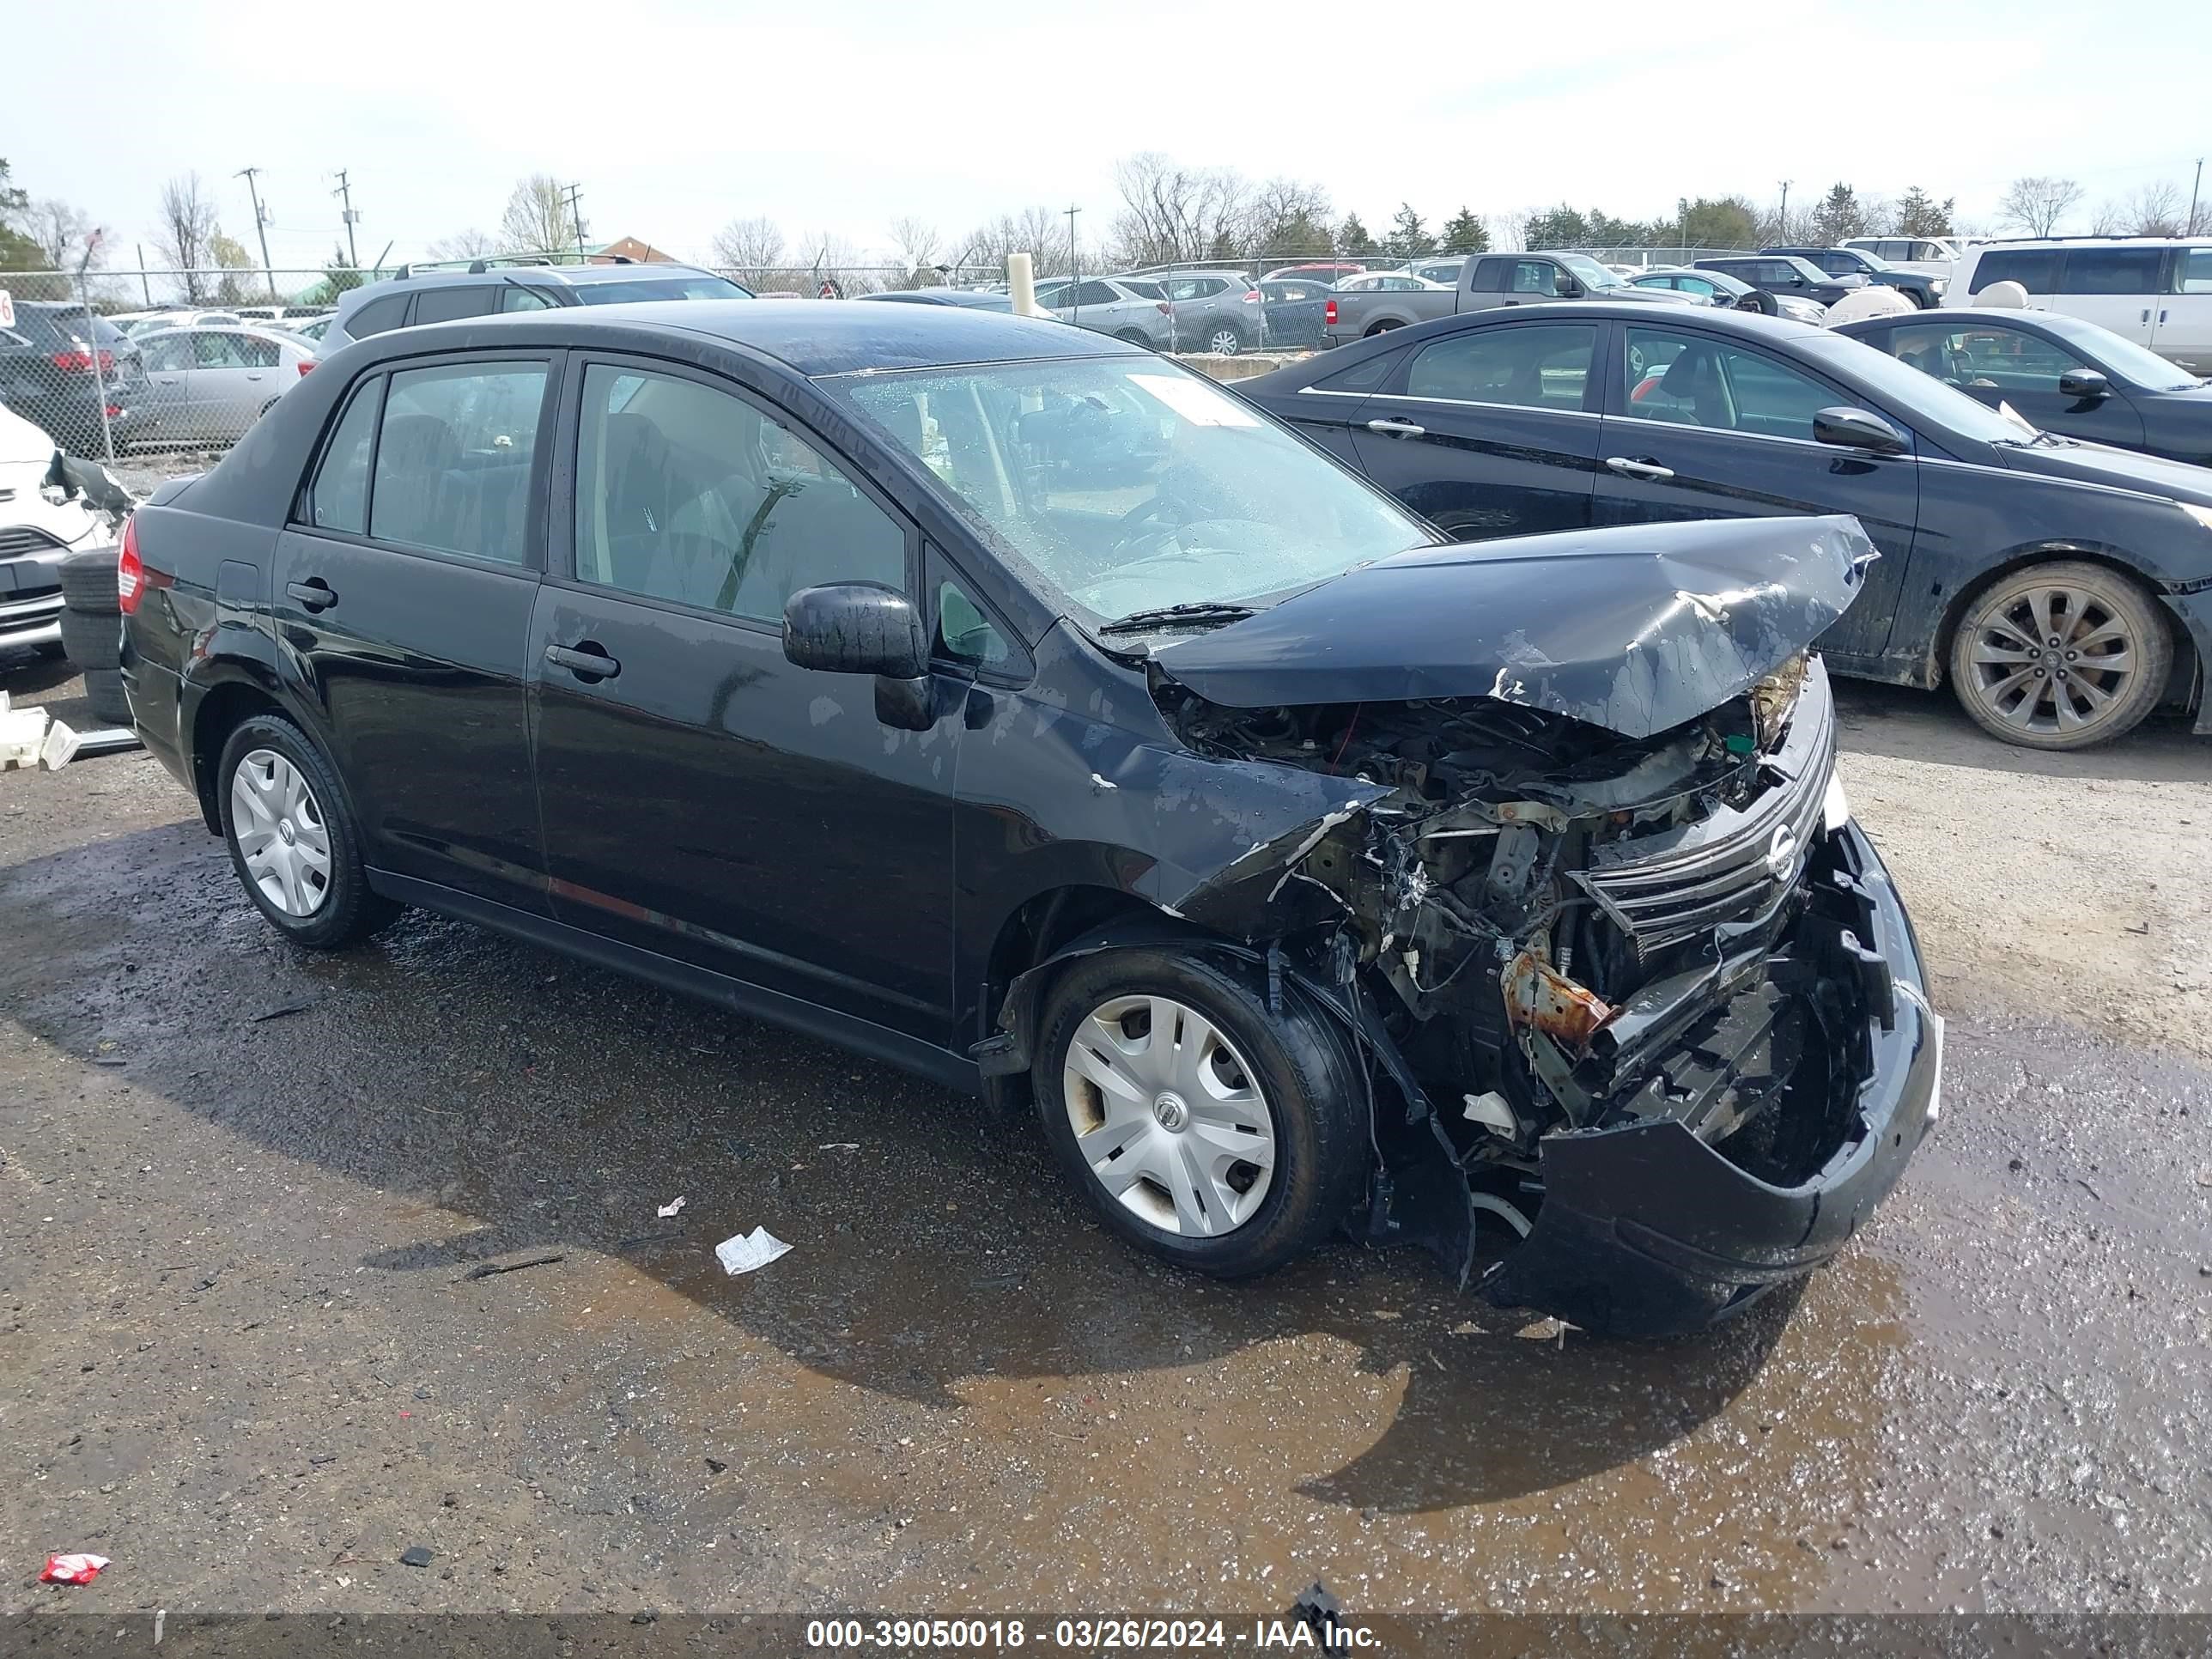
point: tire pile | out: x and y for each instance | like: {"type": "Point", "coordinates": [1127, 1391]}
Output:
{"type": "Point", "coordinates": [91, 631]}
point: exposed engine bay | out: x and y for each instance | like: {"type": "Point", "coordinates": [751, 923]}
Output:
{"type": "Point", "coordinates": [1562, 928]}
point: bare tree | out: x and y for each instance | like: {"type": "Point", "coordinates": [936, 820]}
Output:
{"type": "Point", "coordinates": [1036, 231]}
{"type": "Point", "coordinates": [470, 244]}
{"type": "Point", "coordinates": [824, 257]}
{"type": "Point", "coordinates": [919, 246]}
{"type": "Point", "coordinates": [64, 233]}
{"type": "Point", "coordinates": [2154, 210]}
{"type": "Point", "coordinates": [537, 219]}
{"type": "Point", "coordinates": [1288, 216]}
{"type": "Point", "coordinates": [2109, 219]}
{"type": "Point", "coordinates": [1172, 212]}
{"type": "Point", "coordinates": [2037, 206]}
{"type": "Point", "coordinates": [188, 223]}
{"type": "Point", "coordinates": [754, 243]}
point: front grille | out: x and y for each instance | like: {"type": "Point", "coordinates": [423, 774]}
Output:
{"type": "Point", "coordinates": [18, 539]}
{"type": "Point", "coordinates": [1662, 890]}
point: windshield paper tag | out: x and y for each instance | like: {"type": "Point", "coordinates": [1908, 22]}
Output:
{"type": "Point", "coordinates": [1195, 401]}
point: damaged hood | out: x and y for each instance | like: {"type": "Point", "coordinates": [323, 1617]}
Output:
{"type": "Point", "coordinates": [1636, 629]}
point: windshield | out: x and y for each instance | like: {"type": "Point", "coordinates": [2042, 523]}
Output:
{"type": "Point", "coordinates": [1921, 396]}
{"type": "Point", "coordinates": [1592, 274]}
{"type": "Point", "coordinates": [659, 288]}
{"type": "Point", "coordinates": [1869, 261]}
{"type": "Point", "coordinates": [1807, 268]}
{"type": "Point", "coordinates": [1129, 484]}
{"type": "Point", "coordinates": [2120, 355]}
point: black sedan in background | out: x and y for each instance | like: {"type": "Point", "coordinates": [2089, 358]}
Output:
{"type": "Point", "coordinates": [2061, 373]}
{"type": "Point", "coordinates": [1780, 274]}
{"type": "Point", "coordinates": [1916, 286]}
{"type": "Point", "coordinates": [1563, 417]}
{"type": "Point", "coordinates": [971, 299]}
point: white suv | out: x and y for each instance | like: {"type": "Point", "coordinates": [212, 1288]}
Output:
{"type": "Point", "coordinates": [2153, 290]}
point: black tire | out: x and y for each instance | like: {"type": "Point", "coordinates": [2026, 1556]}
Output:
{"type": "Point", "coordinates": [2098, 599]}
{"type": "Point", "coordinates": [88, 583]}
{"type": "Point", "coordinates": [1303, 1065]}
{"type": "Point", "coordinates": [347, 909]}
{"type": "Point", "coordinates": [103, 689]}
{"type": "Point", "coordinates": [91, 641]}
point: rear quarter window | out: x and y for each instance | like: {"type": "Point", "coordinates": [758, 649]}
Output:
{"type": "Point", "coordinates": [338, 498]}
{"type": "Point", "coordinates": [2110, 270]}
{"type": "Point", "coordinates": [378, 315]}
{"type": "Point", "coordinates": [2035, 269]}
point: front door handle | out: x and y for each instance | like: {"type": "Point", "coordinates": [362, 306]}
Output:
{"type": "Point", "coordinates": [1398, 428]}
{"type": "Point", "coordinates": [314, 595]}
{"type": "Point", "coordinates": [585, 659]}
{"type": "Point", "coordinates": [2145, 317]}
{"type": "Point", "coordinates": [1638, 468]}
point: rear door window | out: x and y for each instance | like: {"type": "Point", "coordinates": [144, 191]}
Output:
{"type": "Point", "coordinates": [1489, 276]}
{"type": "Point", "coordinates": [2110, 270]}
{"type": "Point", "coordinates": [1545, 367]}
{"type": "Point", "coordinates": [2192, 271]}
{"type": "Point", "coordinates": [338, 497]}
{"type": "Point", "coordinates": [515, 297]}
{"type": "Point", "coordinates": [378, 315]}
{"type": "Point", "coordinates": [453, 460]}
{"type": "Point", "coordinates": [258, 353]}
{"type": "Point", "coordinates": [1093, 293]}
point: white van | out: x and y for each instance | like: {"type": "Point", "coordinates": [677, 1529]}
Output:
{"type": "Point", "coordinates": [2155, 292]}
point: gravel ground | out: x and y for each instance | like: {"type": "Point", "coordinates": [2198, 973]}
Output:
{"type": "Point", "coordinates": [243, 1351]}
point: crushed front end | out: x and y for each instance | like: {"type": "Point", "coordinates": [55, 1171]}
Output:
{"type": "Point", "coordinates": [1650, 1001]}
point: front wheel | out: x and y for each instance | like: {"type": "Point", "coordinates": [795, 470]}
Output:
{"type": "Point", "coordinates": [1203, 1128]}
{"type": "Point", "coordinates": [1225, 342]}
{"type": "Point", "coordinates": [292, 838]}
{"type": "Point", "coordinates": [2064, 655]}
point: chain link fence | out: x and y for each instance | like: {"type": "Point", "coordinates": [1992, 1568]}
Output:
{"type": "Point", "coordinates": [155, 369]}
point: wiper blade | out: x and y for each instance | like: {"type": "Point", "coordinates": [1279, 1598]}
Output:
{"type": "Point", "coordinates": [1171, 616]}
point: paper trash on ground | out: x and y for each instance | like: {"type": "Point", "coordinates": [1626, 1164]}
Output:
{"type": "Point", "coordinates": [669, 1208]}
{"type": "Point", "coordinates": [749, 1251]}
{"type": "Point", "coordinates": [72, 1569]}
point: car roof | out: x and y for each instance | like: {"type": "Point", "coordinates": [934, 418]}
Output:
{"type": "Point", "coordinates": [567, 275]}
{"type": "Point", "coordinates": [813, 338]}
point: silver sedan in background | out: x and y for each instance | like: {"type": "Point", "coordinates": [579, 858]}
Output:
{"type": "Point", "coordinates": [209, 385]}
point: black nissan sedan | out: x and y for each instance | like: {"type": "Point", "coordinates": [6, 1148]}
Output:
{"type": "Point", "coordinates": [2063, 374]}
{"type": "Point", "coordinates": [1017, 707]}
{"type": "Point", "coordinates": [2064, 590]}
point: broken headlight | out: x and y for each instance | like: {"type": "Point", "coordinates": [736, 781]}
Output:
{"type": "Point", "coordinates": [1774, 698]}
{"type": "Point", "coordinates": [1835, 805]}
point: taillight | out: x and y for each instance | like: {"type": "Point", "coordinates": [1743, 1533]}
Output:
{"type": "Point", "coordinates": [1328, 314]}
{"type": "Point", "coordinates": [1164, 308]}
{"type": "Point", "coordinates": [306, 363]}
{"type": "Point", "coordinates": [130, 574]}
{"type": "Point", "coordinates": [1253, 297]}
{"type": "Point", "coordinates": [76, 362]}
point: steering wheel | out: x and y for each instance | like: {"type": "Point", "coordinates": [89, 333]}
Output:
{"type": "Point", "coordinates": [1144, 512]}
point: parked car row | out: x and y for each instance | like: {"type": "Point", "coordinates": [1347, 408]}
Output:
{"type": "Point", "coordinates": [2063, 589]}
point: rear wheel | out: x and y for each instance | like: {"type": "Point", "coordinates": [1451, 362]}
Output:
{"type": "Point", "coordinates": [1203, 1128]}
{"type": "Point", "coordinates": [292, 838]}
{"type": "Point", "coordinates": [2062, 655]}
{"type": "Point", "coordinates": [1223, 341]}
{"type": "Point", "coordinates": [1383, 327]}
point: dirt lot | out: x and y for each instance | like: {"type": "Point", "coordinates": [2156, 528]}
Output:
{"type": "Point", "coordinates": [242, 1353]}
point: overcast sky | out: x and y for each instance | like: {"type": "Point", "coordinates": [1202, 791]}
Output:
{"type": "Point", "coordinates": [675, 118]}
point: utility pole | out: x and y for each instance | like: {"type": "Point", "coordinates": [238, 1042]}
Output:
{"type": "Point", "coordinates": [2193, 192]}
{"type": "Point", "coordinates": [1074, 266]}
{"type": "Point", "coordinates": [344, 193]}
{"type": "Point", "coordinates": [576, 214]}
{"type": "Point", "coordinates": [1781, 219]}
{"type": "Point", "coordinates": [261, 224]}
{"type": "Point", "coordinates": [144, 282]}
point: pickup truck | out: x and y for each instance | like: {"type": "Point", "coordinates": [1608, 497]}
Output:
{"type": "Point", "coordinates": [1491, 279]}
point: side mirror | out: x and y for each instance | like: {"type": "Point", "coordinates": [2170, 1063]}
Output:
{"type": "Point", "coordinates": [855, 628]}
{"type": "Point", "coordinates": [1569, 288]}
{"type": "Point", "coordinates": [1857, 428]}
{"type": "Point", "coordinates": [2087, 384]}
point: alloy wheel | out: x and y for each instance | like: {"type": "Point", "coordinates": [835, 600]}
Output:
{"type": "Point", "coordinates": [2051, 658]}
{"type": "Point", "coordinates": [1167, 1117]}
{"type": "Point", "coordinates": [1224, 343]}
{"type": "Point", "coordinates": [282, 835]}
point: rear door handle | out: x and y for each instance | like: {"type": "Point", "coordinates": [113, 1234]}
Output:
{"type": "Point", "coordinates": [314, 595]}
{"type": "Point", "coordinates": [2145, 317]}
{"type": "Point", "coordinates": [1398, 428]}
{"type": "Point", "coordinates": [1639, 469]}
{"type": "Point", "coordinates": [584, 660]}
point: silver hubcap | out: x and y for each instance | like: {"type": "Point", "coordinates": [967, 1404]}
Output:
{"type": "Point", "coordinates": [1225, 344]}
{"type": "Point", "coordinates": [280, 833]}
{"type": "Point", "coordinates": [2051, 660]}
{"type": "Point", "coordinates": [1167, 1116]}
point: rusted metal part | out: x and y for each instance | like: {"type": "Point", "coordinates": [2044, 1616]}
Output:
{"type": "Point", "coordinates": [1774, 697]}
{"type": "Point", "coordinates": [1539, 996]}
